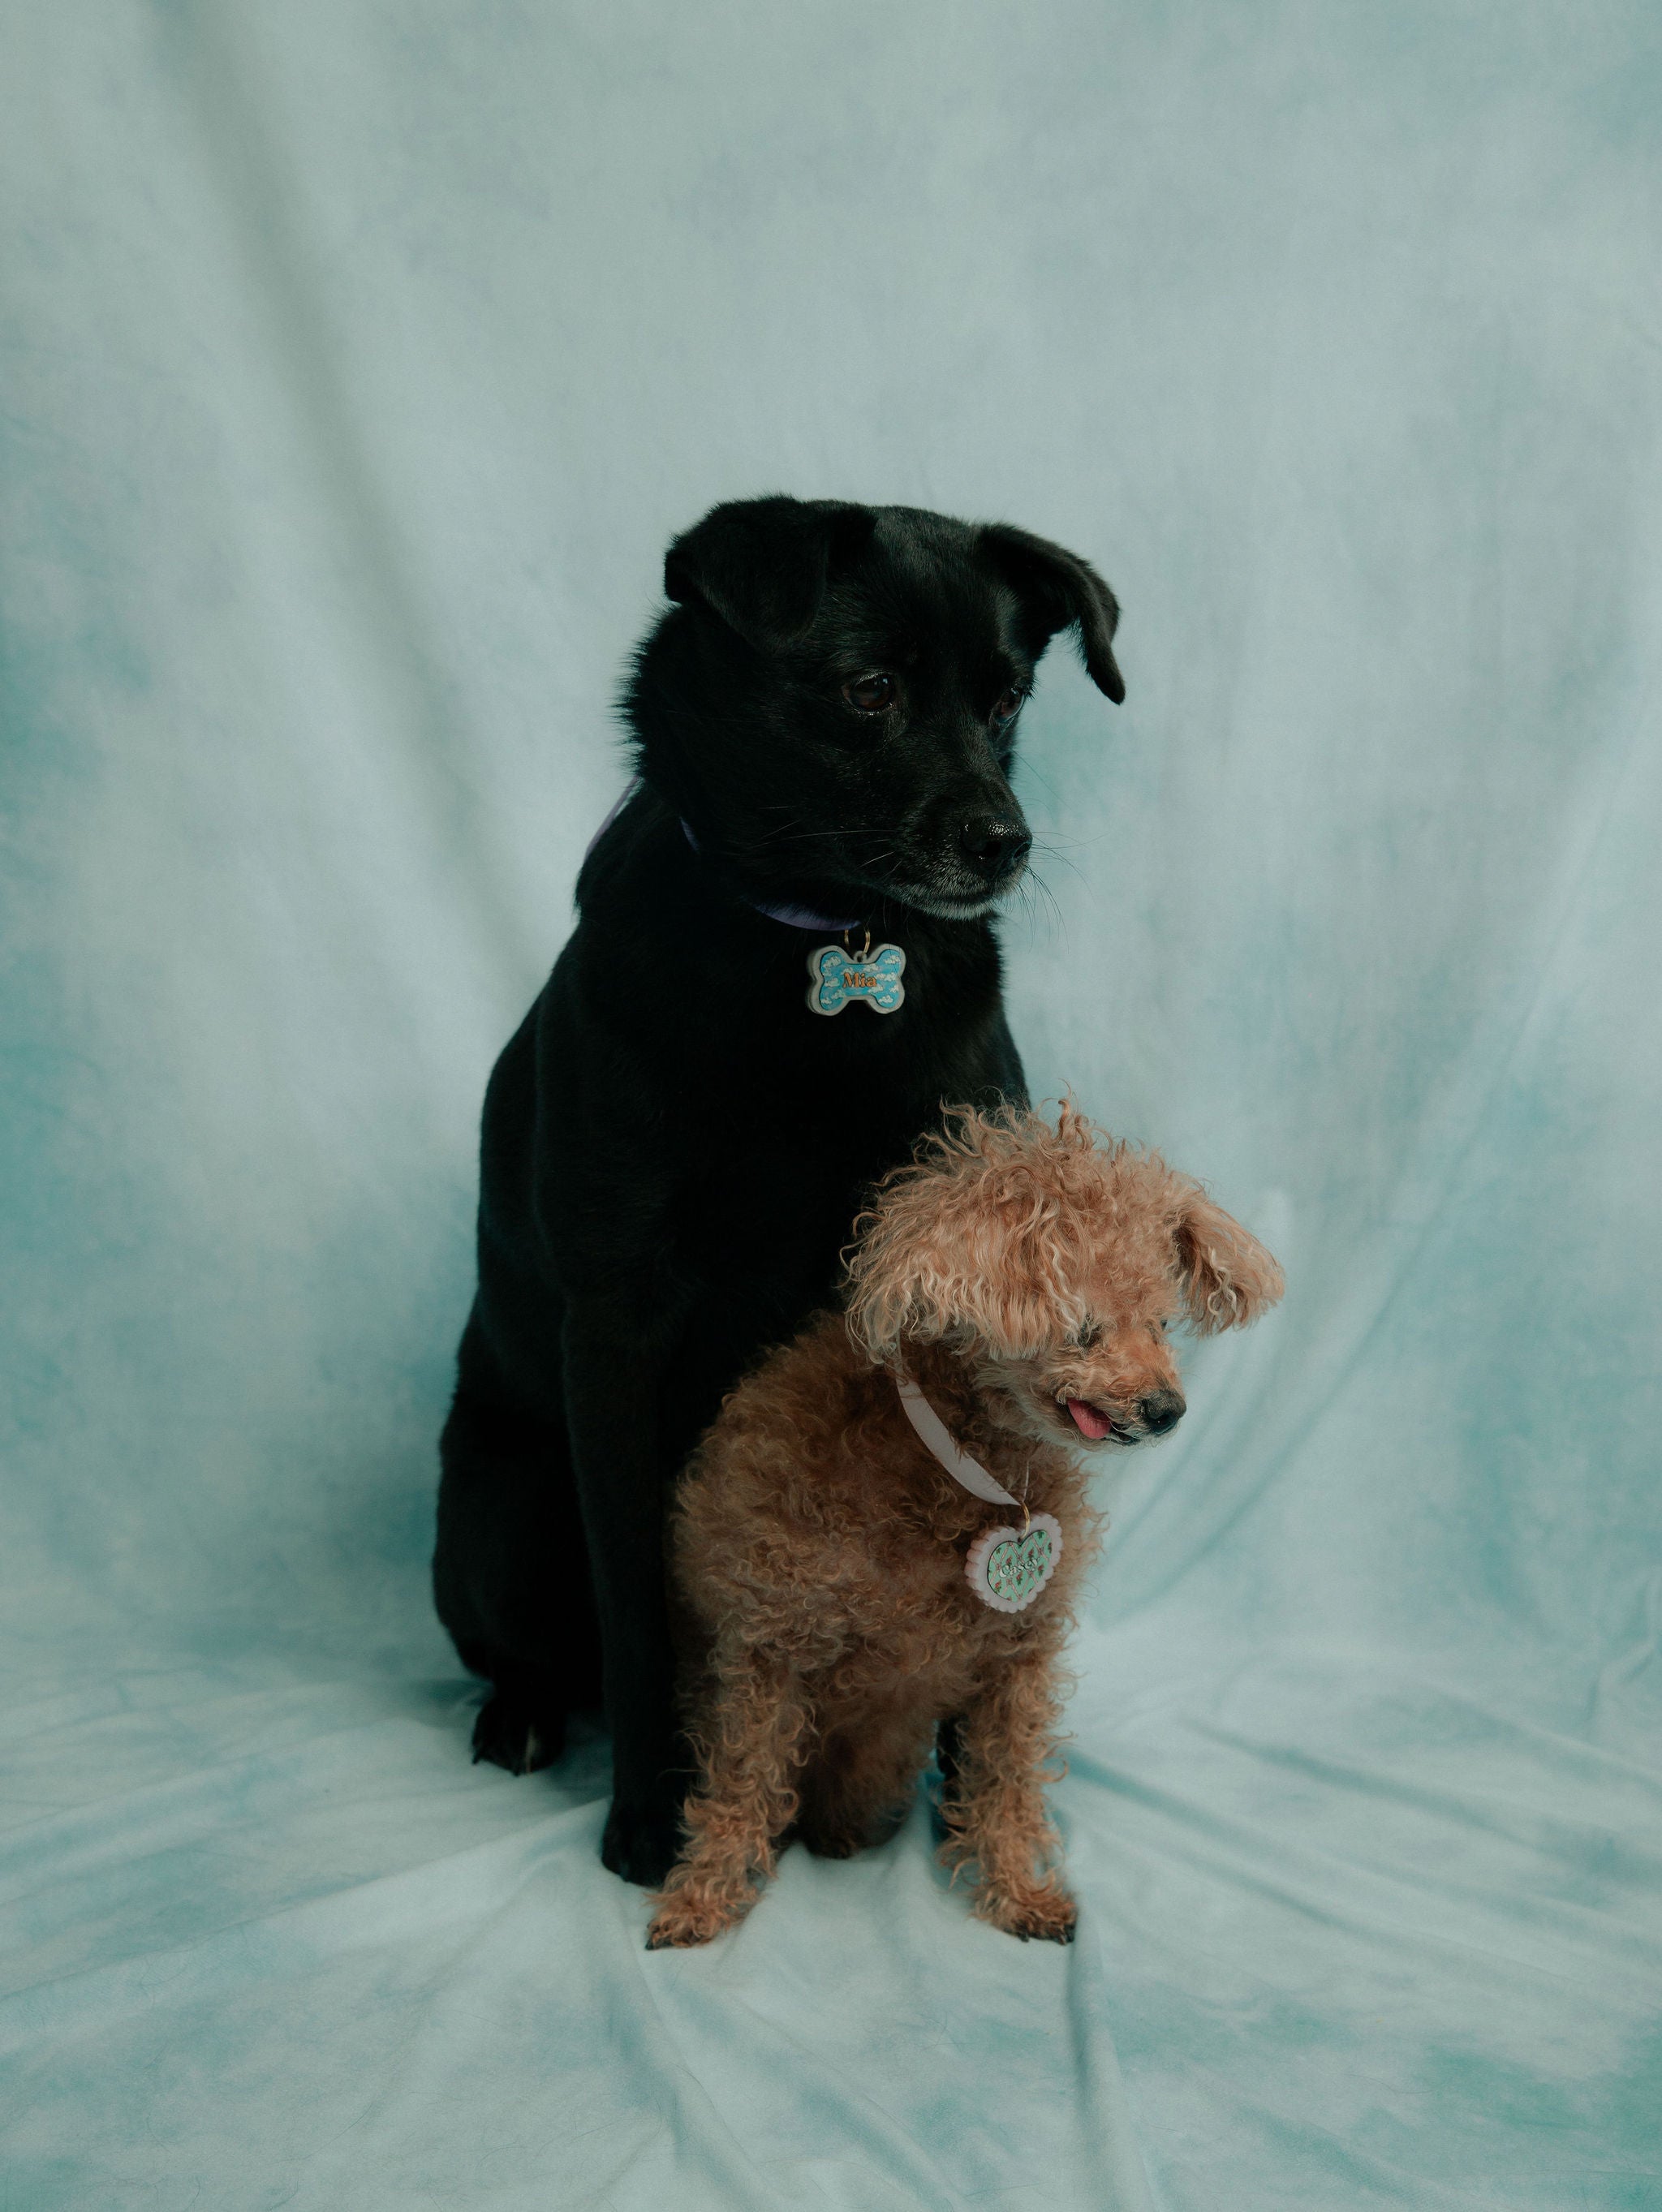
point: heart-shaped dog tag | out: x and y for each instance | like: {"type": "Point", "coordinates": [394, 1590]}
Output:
{"type": "Point", "coordinates": [1007, 1568]}
{"type": "Point", "coordinates": [840, 978]}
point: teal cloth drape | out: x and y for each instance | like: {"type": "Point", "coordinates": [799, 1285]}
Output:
{"type": "Point", "coordinates": [359, 359]}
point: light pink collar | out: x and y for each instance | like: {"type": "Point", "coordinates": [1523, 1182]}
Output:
{"type": "Point", "coordinates": [939, 1439]}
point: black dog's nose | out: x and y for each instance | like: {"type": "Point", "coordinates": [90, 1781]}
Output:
{"type": "Point", "coordinates": [1161, 1410]}
{"type": "Point", "coordinates": [996, 844]}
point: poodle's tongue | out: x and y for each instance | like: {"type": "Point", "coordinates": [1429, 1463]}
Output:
{"type": "Point", "coordinates": [1088, 1421]}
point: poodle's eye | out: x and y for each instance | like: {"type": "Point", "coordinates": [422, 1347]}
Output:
{"type": "Point", "coordinates": [1085, 1335]}
{"type": "Point", "coordinates": [870, 695]}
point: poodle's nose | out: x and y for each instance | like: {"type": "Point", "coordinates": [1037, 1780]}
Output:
{"type": "Point", "coordinates": [1160, 1410]}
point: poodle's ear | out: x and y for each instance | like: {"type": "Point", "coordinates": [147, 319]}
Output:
{"type": "Point", "coordinates": [1228, 1278]}
{"type": "Point", "coordinates": [762, 564]}
{"type": "Point", "coordinates": [967, 1245]}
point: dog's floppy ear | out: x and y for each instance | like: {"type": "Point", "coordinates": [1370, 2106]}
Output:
{"type": "Point", "coordinates": [762, 564]}
{"type": "Point", "coordinates": [1228, 1279]}
{"type": "Point", "coordinates": [1062, 591]}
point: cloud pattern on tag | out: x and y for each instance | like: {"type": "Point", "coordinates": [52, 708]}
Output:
{"type": "Point", "coordinates": [842, 979]}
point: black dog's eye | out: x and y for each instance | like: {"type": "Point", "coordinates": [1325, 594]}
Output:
{"type": "Point", "coordinates": [1006, 708]}
{"type": "Point", "coordinates": [870, 695]}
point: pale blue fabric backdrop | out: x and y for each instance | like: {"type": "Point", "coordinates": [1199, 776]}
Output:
{"type": "Point", "coordinates": [358, 360]}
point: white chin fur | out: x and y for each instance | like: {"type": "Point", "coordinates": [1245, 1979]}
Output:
{"type": "Point", "coordinates": [945, 909]}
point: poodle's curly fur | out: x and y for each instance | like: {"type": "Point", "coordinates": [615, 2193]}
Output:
{"type": "Point", "coordinates": [1024, 1276]}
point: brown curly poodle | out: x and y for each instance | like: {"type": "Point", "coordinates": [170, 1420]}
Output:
{"type": "Point", "coordinates": [1024, 1277]}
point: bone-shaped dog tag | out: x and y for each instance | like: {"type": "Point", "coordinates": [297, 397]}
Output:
{"type": "Point", "coordinates": [844, 979]}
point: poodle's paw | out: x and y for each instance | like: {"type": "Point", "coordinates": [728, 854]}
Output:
{"type": "Point", "coordinates": [641, 1843]}
{"type": "Point", "coordinates": [1046, 1915]}
{"type": "Point", "coordinates": [508, 1734]}
{"type": "Point", "coordinates": [689, 1916]}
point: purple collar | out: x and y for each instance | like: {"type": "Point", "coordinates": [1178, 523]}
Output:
{"type": "Point", "coordinates": [794, 917]}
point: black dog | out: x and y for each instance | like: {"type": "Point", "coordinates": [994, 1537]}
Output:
{"type": "Point", "coordinates": [675, 1143]}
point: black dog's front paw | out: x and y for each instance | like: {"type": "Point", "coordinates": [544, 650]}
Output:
{"type": "Point", "coordinates": [510, 1734]}
{"type": "Point", "coordinates": [641, 1843]}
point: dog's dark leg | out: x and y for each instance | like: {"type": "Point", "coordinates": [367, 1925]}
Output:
{"type": "Point", "coordinates": [521, 1725]}
{"type": "Point", "coordinates": [948, 1757]}
{"type": "Point", "coordinates": [615, 1361]}
{"type": "Point", "coordinates": [510, 1580]}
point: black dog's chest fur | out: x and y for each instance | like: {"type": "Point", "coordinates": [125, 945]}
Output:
{"type": "Point", "coordinates": [727, 1134]}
